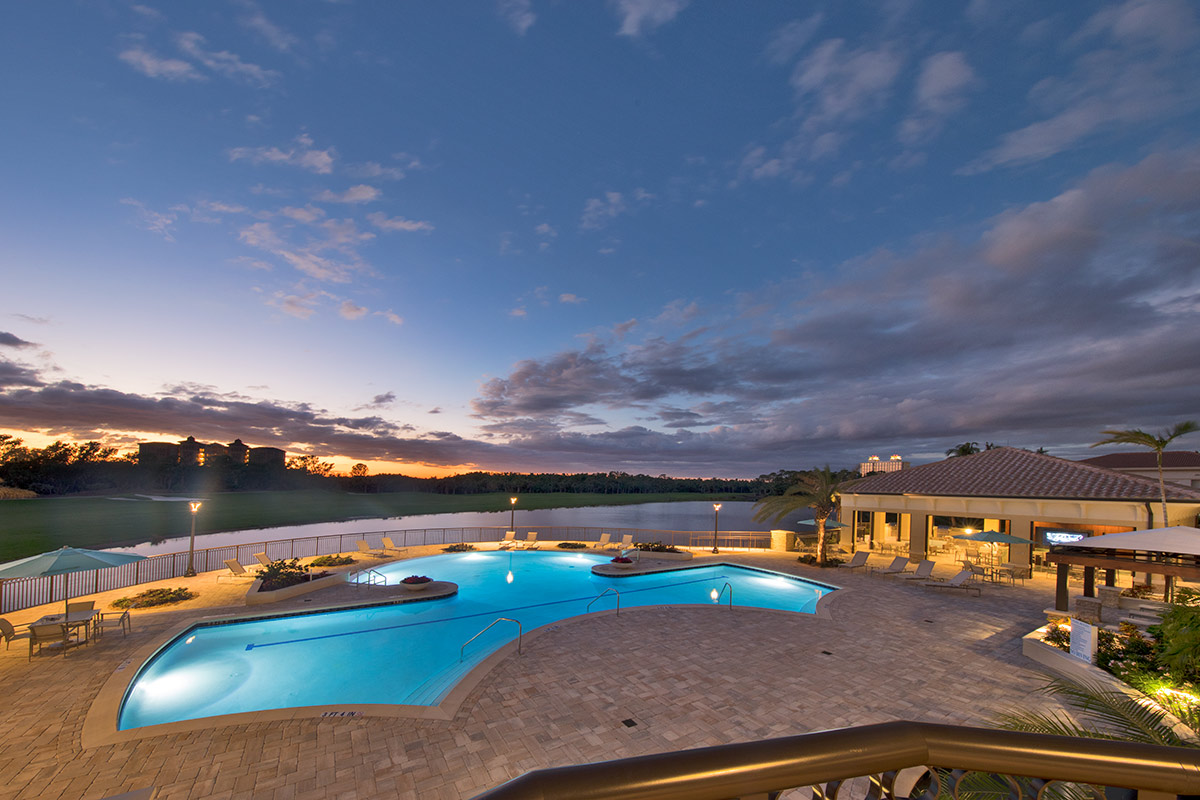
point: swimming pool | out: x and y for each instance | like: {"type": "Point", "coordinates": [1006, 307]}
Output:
{"type": "Point", "coordinates": [409, 653]}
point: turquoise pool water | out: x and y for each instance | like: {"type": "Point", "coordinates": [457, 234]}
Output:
{"type": "Point", "coordinates": [409, 653]}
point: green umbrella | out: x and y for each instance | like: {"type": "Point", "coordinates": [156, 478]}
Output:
{"type": "Point", "coordinates": [991, 537]}
{"type": "Point", "coordinates": [63, 561]}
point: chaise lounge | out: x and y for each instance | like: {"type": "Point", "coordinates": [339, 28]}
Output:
{"type": "Point", "coordinates": [960, 581]}
{"type": "Point", "coordinates": [859, 560]}
{"type": "Point", "coordinates": [898, 566]}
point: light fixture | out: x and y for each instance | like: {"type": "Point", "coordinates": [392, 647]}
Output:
{"type": "Point", "coordinates": [512, 514]}
{"type": "Point", "coordinates": [190, 572]}
{"type": "Point", "coordinates": [716, 516]}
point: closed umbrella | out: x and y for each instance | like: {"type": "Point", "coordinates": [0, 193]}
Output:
{"type": "Point", "coordinates": [63, 561]}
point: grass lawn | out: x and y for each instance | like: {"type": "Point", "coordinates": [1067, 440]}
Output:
{"type": "Point", "coordinates": [29, 527]}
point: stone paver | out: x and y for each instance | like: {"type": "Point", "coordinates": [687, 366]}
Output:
{"type": "Point", "coordinates": [688, 677]}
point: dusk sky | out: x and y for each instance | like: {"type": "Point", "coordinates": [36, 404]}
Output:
{"type": "Point", "coordinates": [661, 236]}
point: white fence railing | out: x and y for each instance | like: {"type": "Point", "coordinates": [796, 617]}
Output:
{"type": "Point", "coordinates": [19, 593]}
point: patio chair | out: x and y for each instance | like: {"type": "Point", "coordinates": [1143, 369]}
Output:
{"type": "Point", "coordinates": [899, 565]}
{"type": "Point", "coordinates": [859, 560]}
{"type": "Point", "coordinates": [262, 559]}
{"type": "Point", "coordinates": [602, 544]}
{"type": "Point", "coordinates": [42, 635]}
{"type": "Point", "coordinates": [923, 572]}
{"type": "Point", "coordinates": [389, 545]}
{"type": "Point", "coordinates": [8, 632]}
{"type": "Point", "coordinates": [530, 543]}
{"type": "Point", "coordinates": [114, 619]}
{"type": "Point", "coordinates": [626, 543]}
{"type": "Point", "coordinates": [236, 571]}
{"type": "Point", "coordinates": [509, 541]}
{"type": "Point", "coordinates": [365, 549]}
{"type": "Point", "coordinates": [83, 605]}
{"type": "Point", "coordinates": [960, 581]}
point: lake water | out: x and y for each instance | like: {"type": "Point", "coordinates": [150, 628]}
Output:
{"type": "Point", "coordinates": [688, 516]}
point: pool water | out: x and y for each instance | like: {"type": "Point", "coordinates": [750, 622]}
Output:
{"type": "Point", "coordinates": [409, 653]}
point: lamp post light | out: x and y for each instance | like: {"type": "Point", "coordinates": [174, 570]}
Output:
{"type": "Point", "coordinates": [190, 572]}
{"type": "Point", "coordinates": [512, 515]}
{"type": "Point", "coordinates": [716, 516]}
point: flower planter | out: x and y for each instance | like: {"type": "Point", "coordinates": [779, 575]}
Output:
{"type": "Point", "coordinates": [619, 565]}
{"type": "Point", "coordinates": [416, 587]}
{"type": "Point", "coordinates": [254, 597]}
{"type": "Point", "coordinates": [652, 555]}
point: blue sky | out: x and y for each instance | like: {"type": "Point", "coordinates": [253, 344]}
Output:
{"type": "Point", "coordinates": [644, 235]}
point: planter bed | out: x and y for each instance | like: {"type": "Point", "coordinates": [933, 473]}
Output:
{"type": "Point", "coordinates": [254, 597]}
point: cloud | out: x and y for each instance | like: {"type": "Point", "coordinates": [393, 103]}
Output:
{"type": "Point", "coordinates": [788, 40]}
{"type": "Point", "coordinates": [307, 214]}
{"type": "Point", "coordinates": [599, 211]}
{"type": "Point", "coordinates": [546, 230]}
{"type": "Point", "coordinates": [393, 224]}
{"type": "Point", "coordinates": [518, 14]}
{"type": "Point", "coordinates": [255, 20]}
{"type": "Point", "coordinates": [349, 310]}
{"type": "Point", "coordinates": [159, 222]}
{"type": "Point", "coordinates": [567, 297]}
{"type": "Point", "coordinates": [383, 399]}
{"type": "Point", "coordinates": [303, 155]}
{"type": "Point", "coordinates": [373, 169]}
{"type": "Point", "coordinates": [942, 85]}
{"type": "Point", "coordinates": [11, 340]}
{"type": "Point", "coordinates": [836, 84]}
{"type": "Point", "coordinates": [362, 193]}
{"type": "Point", "coordinates": [328, 251]}
{"type": "Point", "coordinates": [642, 16]}
{"type": "Point", "coordinates": [390, 316]}
{"type": "Point", "coordinates": [152, 66]}
{"type": "Point", "coordinates": [1139, 73]}
{"type": "Point", "coordinates": [518, 312]}
{"type": "Point", "coordinates": [225, 63]}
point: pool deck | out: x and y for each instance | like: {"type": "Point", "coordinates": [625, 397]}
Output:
{"type": "Point", "coordinates": [688, 677]}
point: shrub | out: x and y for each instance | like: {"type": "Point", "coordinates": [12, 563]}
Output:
{"type": "Point", "coordinates": [281, 574]}
{"type": "Point", "coordinates": [155, 597]}
{"type": "Point", "coordinates": [572, 545]}
{"type": "Point", "coordinates": [411, 579]}
{"type": "Point", "coordinates": [461, 547]}
{"type": "Point", "coordinates": [10, 493]}
{"type": "Point", "coordinates": [1058, 635]}
{"type": "Point", "coordinates": [1140, 591]}
{"type": "Point", "coordinates": [656, 547]}
{"type": "Point", "coordinates": [331, 561]}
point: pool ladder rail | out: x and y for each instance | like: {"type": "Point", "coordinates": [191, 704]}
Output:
{"type": "Point", "coordinates": [606, 591]}
{"type": "Point", "coordinates": [722, 594]}
{"type": "Point", "coordinates": [368, 577]}
{"type": "Point", "coordinates": [495, 622]}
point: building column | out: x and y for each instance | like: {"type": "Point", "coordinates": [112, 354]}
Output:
{"type": "Point", "coordinates": [1022, 528]}
{"type": "Point", "coordinates": [1062, 598]}
{"type": "Point", "coordinates": [877, 527]}
{"type": "Point", "coordinates": [915, 528]}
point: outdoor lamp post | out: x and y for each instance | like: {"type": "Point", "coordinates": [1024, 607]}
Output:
{"type": "Point", "coordinates": [716, 516]}
{"type": "Point", "coordinates": [190, 572]}
{"type": "Point", "coordinates": [512, 514]}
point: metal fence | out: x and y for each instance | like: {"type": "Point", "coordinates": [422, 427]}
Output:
{"type": "Point", "coordinates": [19, 593]}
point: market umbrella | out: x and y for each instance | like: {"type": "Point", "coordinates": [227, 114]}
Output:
{"type": "Point", "coordinates": [991, 537]}
{"type": "Point", "coordinates": [63, 561]}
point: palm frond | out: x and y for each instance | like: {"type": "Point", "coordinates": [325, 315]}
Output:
{"type": "Point", "coordinates": [1116, 712]}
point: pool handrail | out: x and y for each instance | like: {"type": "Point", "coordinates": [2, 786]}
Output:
{"type": "Point", "coordinates": [606, 591]}
{"type": "Point", "coordinates": [373, 578]}
{"type": "Point", "coordinates": [495, 622]}
{"type": "Point", "coordinates": [728, 586]}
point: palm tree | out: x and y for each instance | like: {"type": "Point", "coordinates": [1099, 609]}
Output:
{"type": "Point", "coordinates": [817, 490]}
{"type": "Point", "coordinates": [964, 449]}
{"type": "Point", "coordinates": [1156, 443]}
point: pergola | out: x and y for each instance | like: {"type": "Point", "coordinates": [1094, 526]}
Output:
{"type": "Point", "coordinates": [1172, 552]}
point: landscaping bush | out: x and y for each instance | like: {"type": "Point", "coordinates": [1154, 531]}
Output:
{"type": "Point", "coordinates": [811, 560]}
{"type": "Point", "coordinates": [656, 547]}
{"type": "Point", "coordinates": [461, 547]}
{"type": "Point", "coordinates": [155, 597]}
{"type": "Point", "coordinates": [572, 545]}
{"type": "Point", "coordinates": [282, 574]}
{"type": "Point", "coordinates": [1142, 591]}
{"type": "Point", "coordinates": [331, 561]}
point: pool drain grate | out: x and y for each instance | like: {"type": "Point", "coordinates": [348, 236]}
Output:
{"type": "Point", "coordinates": [628, 723]}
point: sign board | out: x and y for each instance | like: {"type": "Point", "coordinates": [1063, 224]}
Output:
{"type": "Point", "coordinates": [1083, 641]}
{"type": "Point", "coordinates": [1062, 537]}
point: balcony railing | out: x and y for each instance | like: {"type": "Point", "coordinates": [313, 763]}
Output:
{"type": "Point", "coordinates": [1021, 765]}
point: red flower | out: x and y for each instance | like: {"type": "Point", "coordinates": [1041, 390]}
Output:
{"type": "Point", "coordinates": [416, 579]}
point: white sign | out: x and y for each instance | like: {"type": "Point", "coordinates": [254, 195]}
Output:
{"type": "Point", "coordinates": [1083, 641]}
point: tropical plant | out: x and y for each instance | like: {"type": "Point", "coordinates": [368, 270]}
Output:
{"type": "Point", "coordinates": [331, 561]}
{"type": "Point", "coordinates": [572, 546]}
{"type": "Point", "coordinates": [1156, 443]}
{"type": "Point", "coordinates": [281, 574]}
{"type": "Point", "coordinates": [964, 449]}
{"type": "Point", "coordinates": [817, 490]}
{"type": "Point", "coordinates": [155, 597]}
{"type": "Point", "coordinates": [1179, 633]}
{"type": "Point", "coordinates": [461, 547]}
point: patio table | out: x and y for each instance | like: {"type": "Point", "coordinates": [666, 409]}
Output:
{"type": "Point", "coordinates": [74, 620]}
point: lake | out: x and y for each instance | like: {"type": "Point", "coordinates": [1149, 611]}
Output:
{"type": "Point", "coordinates": [687, 516]}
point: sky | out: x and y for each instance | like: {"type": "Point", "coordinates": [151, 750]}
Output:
{"type": "Point", "coordinates": [651, 236]}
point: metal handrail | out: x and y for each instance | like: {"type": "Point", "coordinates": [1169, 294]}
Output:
{"type": "Point", "coordinates": [722, 594]}
{"type": "Point", "coordinates": [606, 591]}
{"type": "Point", "coordinates": [830, 757]}
{"type": "Point", "coordinates": [497, 621]}
{"type": "Point", "coordinates": [372, 575]}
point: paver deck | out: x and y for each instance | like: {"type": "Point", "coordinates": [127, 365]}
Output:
{"type": "Point", "coordinates": [688, 677]}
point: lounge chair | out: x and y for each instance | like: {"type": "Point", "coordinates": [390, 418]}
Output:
{"type": "Point", "coordinates": [49, 634]}
{"type": "Point", "coordinates": [626, 543]}
{"type": "Point", "coordinates": [388, 544]}
{"type": "Point", "coordinates": [114, 619]}
{"type": "Point", "coordinates": [365, 549]}
{"type": "Point", "coordinates": [509, 541]}
{"type": "Point", "coordinates": [603, 543]}
{"type": "Point", "coordinates": [530, 543]}
{"type": "Point", "coordinates": [236, 571]}
{"type": "Point", "coordinates": [8, 633]}
{"type": "Point", "coordinates": [960, 581]}
{"type": "Point", "coordinates": [262, 559]}
{"type": "Point", "coordinates": [923, 572]}
{"type": "Point", "coordinates": [859, 560]}
{"type": "Point", "coordinates": [899, 565]}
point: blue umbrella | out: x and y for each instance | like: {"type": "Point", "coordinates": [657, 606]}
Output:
{"type": "Point", "coordinates": [63, 561]}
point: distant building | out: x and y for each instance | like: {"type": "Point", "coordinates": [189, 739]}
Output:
{"type": "Point", "coordinates": [873, 464]}
{"type": "Point", "coordinates": [1181, 467]}
{"type": "Point", "coordinates": [191, 453]}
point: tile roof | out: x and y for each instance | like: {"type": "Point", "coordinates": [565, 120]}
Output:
{"type": "Point", "coordinates": [1009, 472]}
{"type": "Point", "coordinates": [1172, 459]}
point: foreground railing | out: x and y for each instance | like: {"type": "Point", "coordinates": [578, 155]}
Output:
{"type": "Point", "coordinates": [1022, 765]}
{"type": "Point", "coordinates": [19, 593]}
